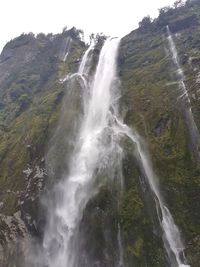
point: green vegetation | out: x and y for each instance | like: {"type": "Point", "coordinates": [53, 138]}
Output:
{"type": "Point", "coordinates": [146, 72]}
{"type": "Point", "coordinates": [30, 107]}
{"type": "Point", "coordinates": [31, 100]}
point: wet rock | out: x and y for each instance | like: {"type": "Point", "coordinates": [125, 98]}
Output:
{"type": "Point", "coordinates": [161, 126]}
{"type": "Point", "coordinates": [28, 172]}
{"type": "Point", "coordinates": [182, 24]}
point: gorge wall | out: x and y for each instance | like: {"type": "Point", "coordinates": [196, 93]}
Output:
{"type": "Point", "coordinates": [34, 92]}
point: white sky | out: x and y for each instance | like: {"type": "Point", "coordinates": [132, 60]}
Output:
{"type": "Point", "coordinates": [112, 17]}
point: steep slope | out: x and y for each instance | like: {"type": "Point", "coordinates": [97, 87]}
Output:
{"type": "Point", "coordinates": [118, 227]}
{"type": "Point", "coordinates": [31, 70]}
{"type": "Point", "coordinates": [150, 91]}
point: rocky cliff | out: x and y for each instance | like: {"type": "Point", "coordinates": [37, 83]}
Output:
{"type": "Point", "coordinates": [34, 92]}
{"type": "Point", "coordinates": [151, 93]}
{"type": "Point", "coordinates": [32, 69]}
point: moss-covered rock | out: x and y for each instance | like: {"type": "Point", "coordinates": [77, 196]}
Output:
{"type": "Point", "coordinates": [35, 92]}
{"type": "Point", "coordinates": [31, 101]}
{"type": "Point", "coordinates": [150, 102]}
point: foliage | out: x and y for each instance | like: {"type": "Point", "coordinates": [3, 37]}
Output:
{"type": "Point", "coordinates": [30, 108]}
{"type": "Point", "coordinates": [147, 76]}
{"type": "Point", "coordinates": [21, 40]}
{"type": "Point", "coordinates": [30, 102]}
{"type": "Point", "coordinates": [146, 24]}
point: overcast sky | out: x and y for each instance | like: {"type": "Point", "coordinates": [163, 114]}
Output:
{"type": "Point", "coordinates": [112, 17]}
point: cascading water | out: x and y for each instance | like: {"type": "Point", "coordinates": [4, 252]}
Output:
{"type": "Point", "coordinates": [73, 192]}
{"type": "Point", "coordinates": [184, 98]}
{"type": "Point", "coordinates": [66, 48]}
{"type": "Point", "coordinates": [92, 153]}
{"type": "Point", "coordinates": [171, 235]}
{"type": "Point", "coordinates": [121, 252]}
{"type": "Point", "coordinates": [86, 60]}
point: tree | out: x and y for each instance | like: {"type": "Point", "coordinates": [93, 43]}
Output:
{"type": "Point", "coordinates": [92, 37]}
{"type": "Point", "coordinates": [145, 24]}
{"type": "Point", "coordinates": [178, 3]}
{"type": "Point", "coordinates": [164, 10]}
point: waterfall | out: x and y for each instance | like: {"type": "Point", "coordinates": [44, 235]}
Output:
{"type": "Point", "coordinates": [66, 48]}
{"type": "Point", "coordinates": [171, 235]}
{"type": "Point", "coordinates": [97, 148]}
{"type": "Point", "coordinates": [121, 252]}
{"type": "Point", "coordinates": [86, 60]}
{"type": "Point", "coordinates": [91, 153]}
{"type": "Point", "coordinates": [184, 98]}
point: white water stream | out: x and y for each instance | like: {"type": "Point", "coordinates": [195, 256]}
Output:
{"type": "Point", "coordinates": [184, 97]}
{"type": "Point", "coordinates": [66, 48]}
{"type": "Point", "coordinates": [171, 235]}
{"type": "Point", "coordinates": [92, 152]}
{"type": "Point", "coordinates": [74, 191]}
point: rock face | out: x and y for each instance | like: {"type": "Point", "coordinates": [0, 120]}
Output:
{"type": "Point", "coordinates": [31, 93]}
{"type": "Point", "coordinates": [33, 82]}
{"type": "Point", "coordinates": [150, 92]}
